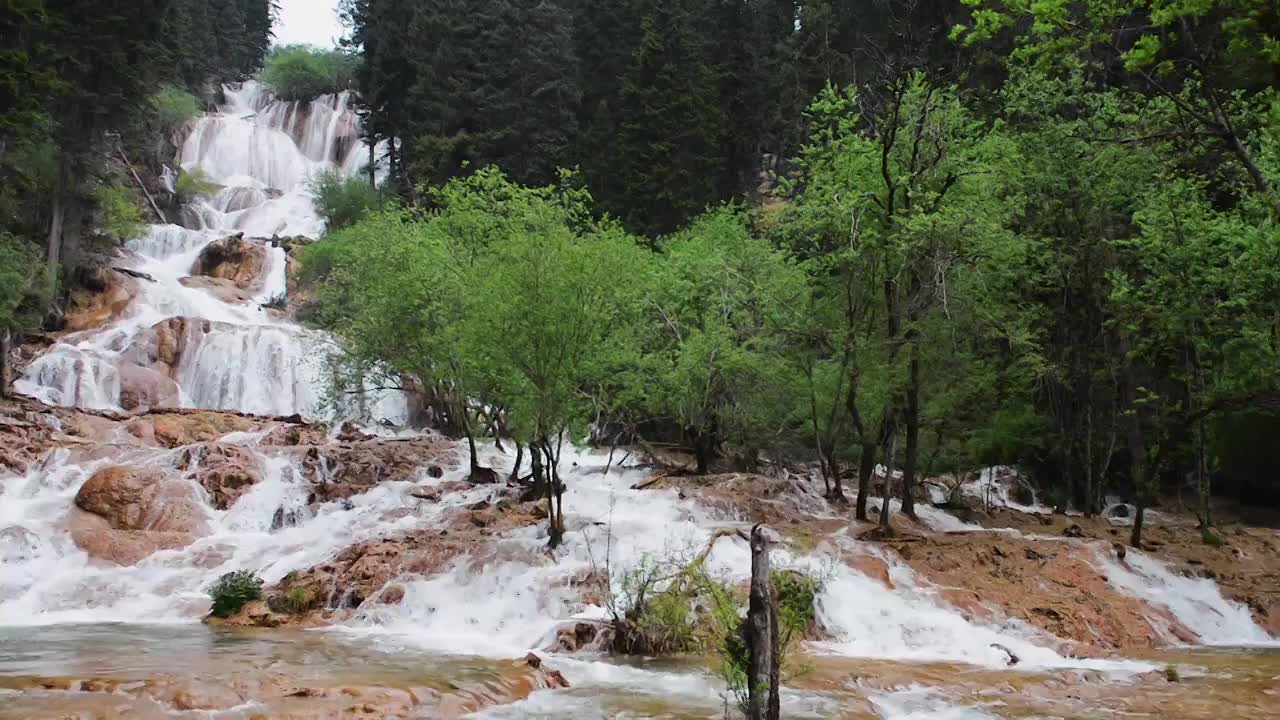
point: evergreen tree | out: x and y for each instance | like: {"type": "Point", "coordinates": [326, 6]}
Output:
{"type": "Point", "coordinates": [673, 132]}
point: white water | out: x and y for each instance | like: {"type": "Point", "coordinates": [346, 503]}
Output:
{"type": "Point", "coordinates": [507, 599]}
{"type": "Point", "coordinates": [1195, 602]}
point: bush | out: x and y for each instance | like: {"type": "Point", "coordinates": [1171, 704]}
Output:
{"type": "Point", "coordinates": [174, 107]}
{"type": "Point", "coordinates": [342, 201]}
{"type": "Point", "coordinates": [666, 608]}
{"type": "Point", "coordinates": [233, 591]}
{"type": "Point", "coordinates": [121, 217]}
{"type": "Point", "coordinates": [195, 182]}
{"type": "Point", "coordinates": [20, 270]}
{"type": "Point", "coordinates": [300, 72]}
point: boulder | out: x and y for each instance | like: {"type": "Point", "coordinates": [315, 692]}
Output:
{"type": "Point", "coordinates": [142, 499]}
{"type": "Point", "coordinates": [232, 258]}
{"type": "Point", "coordinates": [94, 535]}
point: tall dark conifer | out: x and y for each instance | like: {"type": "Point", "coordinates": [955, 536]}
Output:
{"type": "Point", "coordinates": [672, 132]}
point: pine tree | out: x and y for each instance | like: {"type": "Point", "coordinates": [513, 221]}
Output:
{"type": "Point", "coordinates": [672, 136]}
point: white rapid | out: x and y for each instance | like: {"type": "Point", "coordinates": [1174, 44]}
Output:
{"type": "Point", "coordinates": [261, 153]}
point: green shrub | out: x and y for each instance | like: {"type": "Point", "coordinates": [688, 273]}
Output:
{"type": "Point", "coordinates": [233, 591]}
{"type": "Point", "coordinates": [195, 182]}
{"type": "Point", "coordinates": [666, 608]}
{"type": "Point", "coordinates": [20, 270]}
{"type": "Point", "coordinates": [121, 217]}
{"type": "Point", "coordinates": [342, 201]}
{"type": "Point", "coordinates": [300, 72]}
{"type": "Point", "coordinates": [174, 107]}
{"type": "Point", "coordinates": [1171, 673]}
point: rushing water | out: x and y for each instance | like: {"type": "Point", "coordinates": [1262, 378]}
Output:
{"type": "Point", "coordinates": [60, 611]}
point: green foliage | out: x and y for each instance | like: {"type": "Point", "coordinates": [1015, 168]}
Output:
{"type": "Point", "coordinates": [1171, 674]}
{"type": "Point", "coordinates": [194, 183]}
{"type": "Point", "coordinates": [174, 107]}
{"type": "Point", "coordinates": [121, 216]}
{"type": "Point", "coordinates": [1209, 537]}
{"type": "Point", "coordinates": [20, 269]}
{"type": "Point", "coordinates": [341, 200]}
{"type": "Point", "coordinates": [301, 72]}
{"type": "Point", "coordinates": [670, 606]}
{"type": "Point", "coordinates": [232, 591]}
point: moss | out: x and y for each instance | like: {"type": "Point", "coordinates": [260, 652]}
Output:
{"type": "Point", "coordinates": [1209, 537]}
{"type": "Point", "coordinates": [1171, 674]}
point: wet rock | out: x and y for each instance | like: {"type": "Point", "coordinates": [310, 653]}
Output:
{"type": "Point", "coordinates": [224, 289]}
{"type": "Point", "coordinates": [225, 471]}
{"type": "Point", "coordinates": [582, 636]}
{"type": "Point", "coordinates": [338, 472]}
{"type": "Point", "coordinates": [174, 430]}
{"type": "Point", "coordinates": [144, 388]}
{"type": "Point", "coordinates": [232, 258]}
{"type": "Point", "coordinates": [1074, 531]}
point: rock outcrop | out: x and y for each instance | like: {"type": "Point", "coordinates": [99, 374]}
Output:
{"type": "Point", "coordinates": [232, 258]}
{"type": "Point", "coordinates": [102, 296]}
{"type": "Point", "coordinates": [341, 471]}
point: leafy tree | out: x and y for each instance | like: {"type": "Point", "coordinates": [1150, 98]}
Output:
{"type": "Point", "coordinates": [713, 362]}
{"type": "Point", "coordinates": [340, 200]}
{"type": "Point", "coordinates": [300, 72]}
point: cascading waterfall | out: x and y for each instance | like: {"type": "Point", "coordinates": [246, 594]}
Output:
{"type": "Point", "coordinates": [261, 152]}
{"type": "Point", "coordinates": [240, 356]}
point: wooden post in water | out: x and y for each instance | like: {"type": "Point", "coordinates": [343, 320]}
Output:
{"type": "Point", "coordinates": [762, 634]}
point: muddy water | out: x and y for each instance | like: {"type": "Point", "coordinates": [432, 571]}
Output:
{"type": "Point", "coordinates": [270, 674]}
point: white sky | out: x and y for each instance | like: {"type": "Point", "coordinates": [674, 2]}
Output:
{"type": "Point", "coordinates": [314, 22]}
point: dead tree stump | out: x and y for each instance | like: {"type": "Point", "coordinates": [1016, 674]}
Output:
{"type": "Point", "coordinates": [762, 634]}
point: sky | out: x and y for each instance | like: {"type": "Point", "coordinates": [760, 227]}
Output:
{"type": "Point", "coordinates": [314, 22]}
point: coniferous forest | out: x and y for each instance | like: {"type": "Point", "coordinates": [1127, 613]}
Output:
{"type": "Point", "coordinates": [931, 235]}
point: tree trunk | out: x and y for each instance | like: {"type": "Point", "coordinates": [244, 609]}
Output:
{"type": "Point", "coordinates": [373, 164]}
{"type": "Point", "coordinates": [471, 447]}
{"type": "Point", "coordinates": [515, 469]}
{"type": "Point", "coordinates": [1202, 479]}
{"type": "Point", "coordinates": [866, 466]}
{"type": "Point", "coordinates": [910, 462]}
{"type": "Point", "coordinates": [762, 635]}
{"type": "Point", "coordinates": [1135, 537]}
{"type": "Point", "coordinates": [5, 341]}
{"type": "Point", "coordinates": [53, 253]}
{"type": "Point", "coordinates": [833, 467]}
{"type": "Point", "coordinates": [890, 440]}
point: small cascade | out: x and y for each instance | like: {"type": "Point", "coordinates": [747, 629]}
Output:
{"type": "Point", "coordinates": [1195, 602]}
{"type": "Point", "coordinates": [910, 623]}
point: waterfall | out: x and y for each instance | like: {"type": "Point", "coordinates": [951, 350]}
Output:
{"type": "Point", "coordinates": [261, 153]}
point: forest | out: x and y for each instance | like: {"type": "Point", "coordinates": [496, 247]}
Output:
{"type": "Point", "coordinates": [930, 235]}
